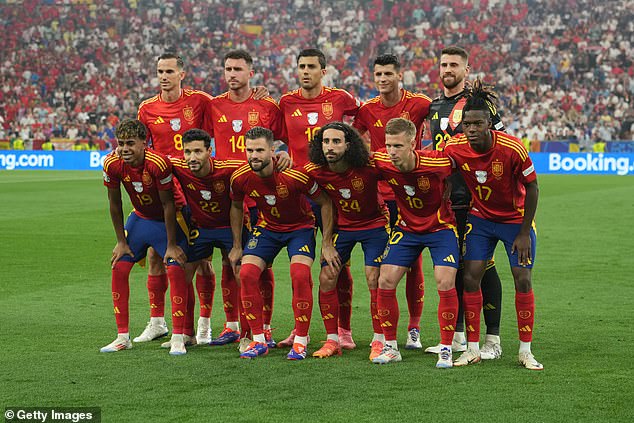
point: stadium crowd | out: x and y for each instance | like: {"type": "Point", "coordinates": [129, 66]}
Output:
{"type": "Point", "coordinates": [563, 69]}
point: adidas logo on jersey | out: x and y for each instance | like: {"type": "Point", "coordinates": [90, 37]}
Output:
{"type": "Point", "coordinates": [222, 119]}
{"type": "Point", "coordinates": [465, 167]}
{"type": "Point", "coordinates": [392, 181]}
{"type": "Point", "coordinates": [378, 124]}
{"type": "Point", "coordinates": [449, 259]}
{"type": "Point", "coordinates": [158, 121]}
{"type": "Point", "coordinates": [296, 113]}
{"type": "Point", "coordinates": [254, 193]}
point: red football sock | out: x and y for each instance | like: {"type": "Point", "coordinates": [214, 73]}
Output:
{"type": "Point", "coordinates": [179, 294]}
{"type": "Point", "coordinates": [230, 294]}
{"type": "Point", "coordinates": [388, 312]}
{"type": "Point", "coordinates": [157, 287]}
{"type": "Point", "coordinates": [447, 315]}
{"type": "Point", "coordinates": [188, 329]}
{"type": "Point", "coordinates": [344, 292]}
{"type": "Point", "coordinates": [329, 307]}
{"type": "Point", "coordinates": [267, 287]}
{"type": "Point", "coordinates": [374, 311]}
{"type": "Point", "coordinates": [251, 297]}
{"type": "Point", "coordinates": [302, 297]}
{"type": "Point", "coordinates": [472, 303]}
{"type": "Point", "coordinates": [415, 293]}
{"type": "Point", "coordinates": [205, 286]}
{"type": "Point", "coordinates": [121, 294]}
{"type": "Point", "coordinates": [525, 309]}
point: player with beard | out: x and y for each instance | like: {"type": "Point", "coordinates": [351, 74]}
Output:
{"type": "Point", "coordinates": [446, 116]}
{"type": "Point", "coordinates": [285, 220]}
{"type": "Point", "coordinates": [341, 165]}
{"type": "Point", "coordinates": [304, 112]}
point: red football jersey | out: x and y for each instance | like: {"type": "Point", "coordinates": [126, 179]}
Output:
{"type": "Point", "coordinates": [231, 120]}
{"type": "Point", "coordinates": [304, 117]}
{"type": "Point", "coordinates": [280, 198]}
{"type": "Point", "coordinates": [354, 194]}
{"type": "Point", "coordinates": [373, 116]}
{"type": "Point", "coordinates": [209, 197]}
{"type": "Point", "coordinates": [142, 183]}
{"type": "Point", "coordinates": [167, 122]}
{"type": "Point", "coordinates": [422, 205]}
{"type": "Point", "coordinates": [496, 178]}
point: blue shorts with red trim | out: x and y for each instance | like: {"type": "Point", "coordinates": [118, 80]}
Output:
{"type": "Point", "coordinates": [482, 236]}
{"type": "Point", "coordinates": [267, 244]}
{"type": "Point", "coordinates": [404, 247]}
{"type": "Point", "coordinates": [144, 233]}
{"type": "Point", "coordinates": [372, 242]}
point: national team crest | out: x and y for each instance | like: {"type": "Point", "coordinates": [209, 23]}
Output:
{"type": "Point", "coordinates": [237, 125]}
{"type": "Point", "coordinates": [219, 186]}
{"type": "Point", "coordinates": [405, 115]}
{"type": "Point", "coordinates": [146, 178]}
{"type": "Point", "coordinates": [175, 124]}
{"type": "Point", "coordinates": [312, 118]}
{"type": "Point", "coordinates": [481, 176]}
{"type": "Point", "coordinates": [345, 193]}
{"type": "Point", "coordinates": [423, 183]}
{"type": "Point", "coordinates": [457, 117]}
{"type": "Point", "coordinates": [409, 190]}
{"type": "Point", "coordinates": [205, 194]}
{"type": "Point", "coordinates": [497, 168]}
{"type": "Point", "coordinates": [138, 186]}
{"type": "Point", "coordinates": [188, 113]}
{"type": "Point", "coordinates": [327, 109]}
{"type": "Point", "coordinates": [253, 242]}
{"type": "Point", "coordinates": [282, 190]}
{"type": "Point", "coordinates": [357, 184]}
{"type": "Point", "coordinates": [254, 118]}
{"type": "Point", "coordinates": [270, 199]}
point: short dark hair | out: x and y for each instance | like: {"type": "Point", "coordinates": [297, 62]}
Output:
{"type": "Point", "coordinates": [131, 128]}
{"type": "Point", "coordinates": [357, 154]}
{"type": "Point", "coordinates": [260, 132]}
{"type": "Point", "coordinates": [171, 55]}
{"type": "Point", "coordinates": [455, 50]}
{"type": "Point", "coordinates": [400, 126]}
{"type": "Point", "coordinates": [313, 52]}
{"type": "Point", "coordinates": [388, 59]}
{"type": "Point", "coordinates": [197, 135]}
{"type": "Point", "coordinates": [239, 54]}
{"type": "Point", "coordinates": [480, 97]}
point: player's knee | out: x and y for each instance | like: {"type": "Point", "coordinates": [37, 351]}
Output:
{"type": "Point", "coordinates": [523, 284]}
{"type": "Point", "coordinates": [471, 282]}
{"type": "Point", "coordinates": [205, 268]}
{"type": "Point", "coordinates": [385, 282]}
{"type": "Point", "coordinates": [326, 282]}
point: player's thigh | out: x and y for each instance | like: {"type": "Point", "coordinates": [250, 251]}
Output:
{"type": "Point", "coordinates": [480, 239]}
{"type": "Point", "coordinates": [372, 276]}
{"type": "Point", "coordinates": [264, 244]}
{"type": "Point", "coordinates": [402, 248]}
{"type": "Point", "coordinates": [390, 275]}
{"type": "Point", "coordinates": [508, 233]}
{"type": "Point", "coordinates": [301, 243]}
{"type": "Point", "coordinates": [373, 244]}
{"type": "Point", "coordinates": [443, 247]}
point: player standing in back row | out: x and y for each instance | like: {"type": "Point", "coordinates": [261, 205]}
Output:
{"type": "Point", "coordinates": [305, 111]}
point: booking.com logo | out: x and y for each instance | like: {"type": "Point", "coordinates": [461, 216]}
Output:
{"type": "Point", "coordinates": [589, 163]}
{"type": "Point", "coordinates": [13, 161]}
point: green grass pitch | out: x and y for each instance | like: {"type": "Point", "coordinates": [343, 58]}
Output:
{"type": "Point", "coordinates": [56, 313]}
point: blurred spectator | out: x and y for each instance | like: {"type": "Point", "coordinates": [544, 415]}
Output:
{"type": "Point", "coordinates": [74, 69]}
